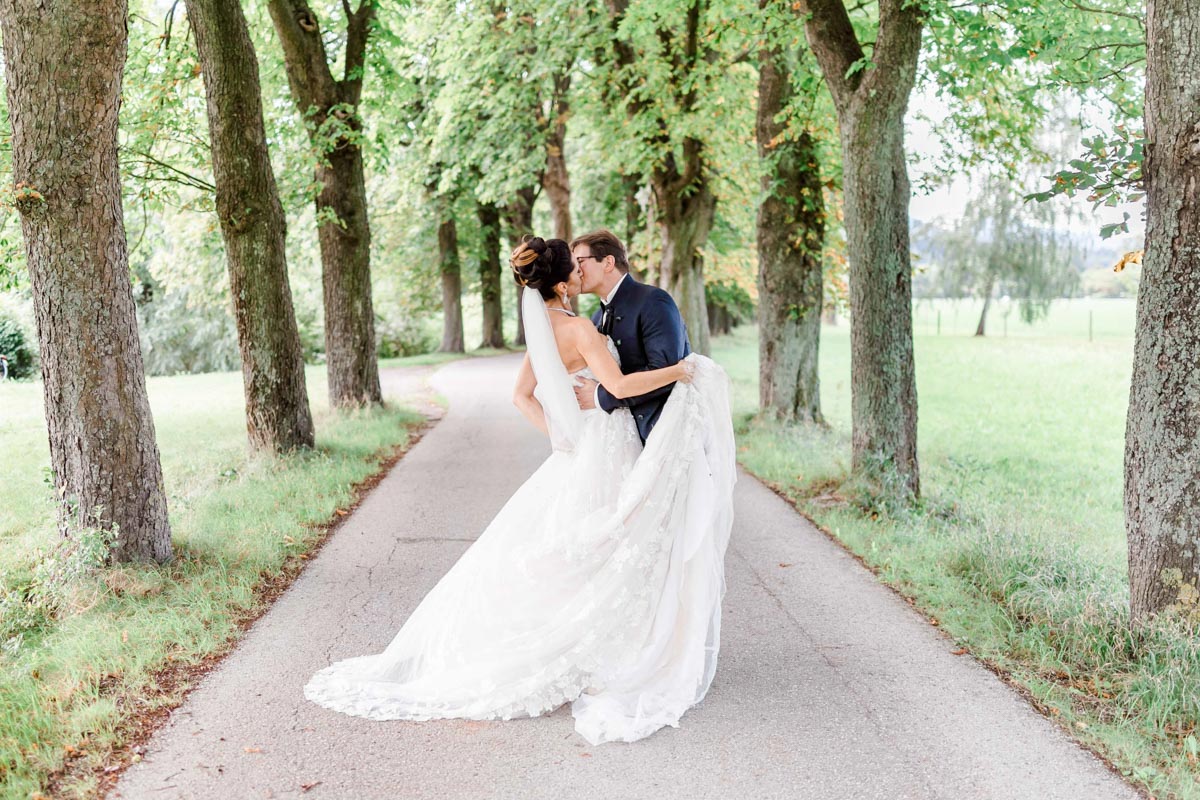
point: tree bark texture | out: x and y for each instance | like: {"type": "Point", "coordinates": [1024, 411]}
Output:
{"type": "Point", "coordinates": [489, 275]}
{"type": "Point", "coordinates": [870, 104]}
{"type": "Point", "coordinates": [518, 217]}
{"type": "Point", "coordinates": [684, 222]}
{"type": "Point", "coordinates": [64, 63]}
{"type": "Point", "coordinates": [344, 230]}
{"type": "Point", "coordinates": [555, 180]}
{"type": "Point", "coordinates": [450, 267]}
{"type": "Point", "coordinates": [1162, 434]}
{"type": "Point", "coordinates": [253, 227]}
{"type": "Point", "coordinates": [791, 233]}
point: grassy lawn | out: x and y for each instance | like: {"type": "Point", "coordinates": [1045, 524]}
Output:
{"type": "Point", "coordinates": [1018, 547]}
{"type": "Point", "coordinates": [78, 674]}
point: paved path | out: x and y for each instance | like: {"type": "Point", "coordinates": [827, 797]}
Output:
{"type": "Point", "coordinates": [829, 685]}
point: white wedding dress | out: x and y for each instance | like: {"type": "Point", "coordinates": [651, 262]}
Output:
{"type": "Point", "coordinates": [599, 582]}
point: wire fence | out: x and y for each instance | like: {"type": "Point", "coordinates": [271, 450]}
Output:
{"type": "Point", "coordinates": [1087, 319]}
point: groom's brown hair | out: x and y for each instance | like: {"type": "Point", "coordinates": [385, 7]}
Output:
{"type": "Point", "coordinates": [604, 243]}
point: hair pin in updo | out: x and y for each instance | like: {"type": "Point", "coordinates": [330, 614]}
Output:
{"type": "Point", "coordinates": [523, 255]}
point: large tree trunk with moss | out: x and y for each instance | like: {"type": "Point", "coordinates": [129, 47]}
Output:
{"type": "Point", "coordinates": [254, 230]}
{"type": "Point", "coordinates": [556, 180]}
{"type": "Point", "coordinates": [685, 219]}
{"type": "Point", "coordinates": [450, 268]}
{"type": "Point", "coordinates": [331, 110]}
{"type": "Point", "coordinates": [1162, 434]}
{"type": "Point", "coordinates": [871, 104]}
{"type": "Point", "coordinates": [791, 233]}
{"type": "Point", "coordinates": [518, 217]}
{"type": "Point", "coordinates": [489, 275]}
{"type": "Point", "coordinates": [64, 63]}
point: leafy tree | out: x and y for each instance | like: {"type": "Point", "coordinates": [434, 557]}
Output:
{"type": "Point", "coordinates": [791, 221]}
{"type": "Point", "coordinates": [64, 65]}
{"type": "Point", "coordinates": [1004, 245]}
{"type": "Point", "coordinates": [870, 93]}
{"type": "Point", "coordinates": [666, 67]}
{"type": "Point", "coordinates": [254, 230]}
{"type": "Point", "coordinates": [330, 108]}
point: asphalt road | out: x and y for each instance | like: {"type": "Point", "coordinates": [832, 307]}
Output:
{"type": "Point", "coordinates": [829, 686]}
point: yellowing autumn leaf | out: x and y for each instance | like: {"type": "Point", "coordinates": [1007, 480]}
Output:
{"type": "Point", "coordinates": [1132, 257]}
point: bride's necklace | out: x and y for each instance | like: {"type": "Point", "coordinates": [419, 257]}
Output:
{"type": "Point", "coordinates": [568, 312]}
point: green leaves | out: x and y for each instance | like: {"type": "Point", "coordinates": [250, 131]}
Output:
{"type": "Point", "coordinates": [1109, 171]}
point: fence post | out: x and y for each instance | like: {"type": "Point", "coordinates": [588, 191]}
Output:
{"type": "Point", "coordinates": [1090, 325]}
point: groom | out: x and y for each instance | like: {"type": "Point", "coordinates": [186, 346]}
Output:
{"type": "Point", "coordinates": [642, 321]}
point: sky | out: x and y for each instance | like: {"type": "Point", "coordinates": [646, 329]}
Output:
{"type": "Point", "coordinates": [946, 203]}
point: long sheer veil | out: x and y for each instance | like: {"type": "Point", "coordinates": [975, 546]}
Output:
{"type": "Point", "coordinates": [553, 391]}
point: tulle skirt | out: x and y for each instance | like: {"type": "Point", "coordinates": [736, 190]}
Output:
{"type": "Point", "coordinates": [599, 583]}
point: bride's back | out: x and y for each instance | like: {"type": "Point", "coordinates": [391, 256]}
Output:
{"type": "Point", "coordinates": [565, 328]}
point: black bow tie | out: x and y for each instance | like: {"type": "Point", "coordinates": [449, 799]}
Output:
{"type": "Point", "coordinates": [606, 318]}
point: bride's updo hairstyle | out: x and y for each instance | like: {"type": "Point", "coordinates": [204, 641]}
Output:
{"type": "Point", "coordinates": [541, 264]}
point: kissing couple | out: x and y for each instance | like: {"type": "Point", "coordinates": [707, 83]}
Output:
{"type": "Point", "coordinates": [599, 583]}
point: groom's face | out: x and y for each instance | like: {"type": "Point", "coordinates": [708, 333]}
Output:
{"type": "Point", "coordinates": [593, 269]}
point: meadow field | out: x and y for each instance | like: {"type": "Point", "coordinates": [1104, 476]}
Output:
{"type": "Point", "coordinates": [1017, 548]}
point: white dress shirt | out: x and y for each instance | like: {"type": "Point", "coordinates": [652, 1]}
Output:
{"type": "Point", "coordinates": [607, 300]}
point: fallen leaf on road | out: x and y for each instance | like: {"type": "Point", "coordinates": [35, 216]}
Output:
{"type": "Point", "coordinates": [585, 755]}
{"type": "Point", "coordinates": [304, 787]}
{"type": "Point", "coordinates": [784, 564]}
{"type": "Point", "coordinates": [341, 512]}
{"type": "Point", "coordinates": [959, 652]}
{"type": "Point", "coordinates": [252, 749]}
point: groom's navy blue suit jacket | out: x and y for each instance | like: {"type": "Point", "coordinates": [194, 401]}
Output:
{"type": "Point", "coordinates": [649, 334]}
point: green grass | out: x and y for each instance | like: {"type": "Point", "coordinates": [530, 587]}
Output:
{"type": "Point", "coordinates": [72, 691]}
{"type": "Point", "coordinates": [1018, 546]}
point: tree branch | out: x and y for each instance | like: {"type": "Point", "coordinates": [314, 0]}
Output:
{"type": "Point", "coordinates": [185, 178]}
{"type": "Point", "coordinates": [304, 56]}
{"type": "Point", "coordinates": [1092, 10]}
{"type": "Point", "coordinates": [834, 44]}
{"type": "Point", "coordinates": [358, 28]}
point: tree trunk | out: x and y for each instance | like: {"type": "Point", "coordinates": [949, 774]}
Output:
{"type": "Point", "coordinates": [1162, 434]}
{"type": "Point", "coordinates": [489, 275]}
{"type": "Point", "coordinates": [519, 216]}
{"type": "Point", "coordinates": [981, 328]}
{"type": "Point", "coordinates": [451, 272]}
{"type": "Point", "coordinates": [555, 179]}
{"type": "Point", "coordinates": [254, 230]}
{"type": "Point", "coordinates": [633, 211]}
{"type": "Point", "coordinates": [871, 104]}
{"type": "Point", "coordinates": [684, 223]}
{"type": "Point", "coordinates": [330, 108]}
{"type": "Point", "coordinates": [345, 237]}
{"type": "Point", "coordinates": [791, 233]}
{"type": "Point", "coordinates": [63, 63]}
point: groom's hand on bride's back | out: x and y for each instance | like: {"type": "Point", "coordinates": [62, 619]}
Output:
{"type": "Point", "coordinates": [585, 393]}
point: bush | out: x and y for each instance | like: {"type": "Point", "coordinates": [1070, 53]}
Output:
{"type": "Point", "coordinates": [22, 356]}
{"type": "Point", "coordinates": [182, 337]}
{"type": "Point", "coordinates": [405, 336]}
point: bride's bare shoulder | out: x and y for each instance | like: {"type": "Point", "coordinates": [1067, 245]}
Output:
{"type": "Point", "coordinates": [577, 327]}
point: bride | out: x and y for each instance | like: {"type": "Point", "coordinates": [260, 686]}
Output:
{"type": "Point", "coordinates": [599, 583]}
